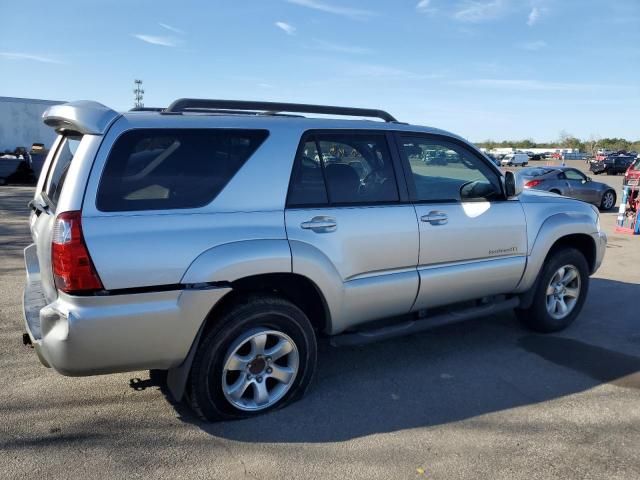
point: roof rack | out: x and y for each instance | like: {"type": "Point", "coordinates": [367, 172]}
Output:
{"type": "Point", "coordinates": [146, 109]}
{"type": "Point", "coordinates": [270, 108]}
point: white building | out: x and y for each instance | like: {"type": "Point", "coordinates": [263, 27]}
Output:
{"type": "Point", "coordinates": [21, 123]}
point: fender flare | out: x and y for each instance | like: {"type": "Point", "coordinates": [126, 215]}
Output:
{"type": "Point", "coordinates": [231, 261]}
{"type": "Point", "coordinates": [553, 229]}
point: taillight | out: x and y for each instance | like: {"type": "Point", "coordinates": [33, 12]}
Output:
{"type": "Point", "coordinates": [532, 183]}
{"type": "Point", "coordinates": [73, 270]}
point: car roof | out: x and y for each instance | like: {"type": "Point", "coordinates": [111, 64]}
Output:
{"type": "Point", "coordinates": [151, 119]}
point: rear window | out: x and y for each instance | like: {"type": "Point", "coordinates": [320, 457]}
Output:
{"type": "Point", "coordinates": [59, 167]}
{"type": "Point", "coordinates": [166, 169]}
{"type": "Point", "coordinates": [536, 172]}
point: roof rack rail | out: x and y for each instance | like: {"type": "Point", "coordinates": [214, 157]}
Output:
{"type": "Point", "coordinates": [146, 109]}
{"type": "Point", "coordinates": [271, 108]}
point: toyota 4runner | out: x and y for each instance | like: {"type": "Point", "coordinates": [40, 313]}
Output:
{"type": "Point", "coordinates": [218, 239]}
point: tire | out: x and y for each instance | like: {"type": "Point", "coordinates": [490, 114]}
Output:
{"type": "Point", "coordinates": [538, 317]}
{"type": "Point", "coordinates": [608, 200]}
{"type": "Point", "coordinates": [557, 192]}
{"type": "Point", "coordinates": [241, 329]}
{"type": "Point", "coordinates": [3, 181]}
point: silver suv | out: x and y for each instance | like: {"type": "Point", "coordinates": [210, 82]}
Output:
{"type": "Point", "coordinates": [219, 239]}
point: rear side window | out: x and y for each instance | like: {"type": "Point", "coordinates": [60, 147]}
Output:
{"type": "Point", "coordinates": [158, 169]}
{"type": "Point", "coordinates": [59, 167]}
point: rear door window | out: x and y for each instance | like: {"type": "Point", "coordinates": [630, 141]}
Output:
{"type": "Point", "coordinates": [59, 167]}
{"type": "Point", "coordinates": [343, 169]}
{"type": "Point", "coordinates": [158, 169]}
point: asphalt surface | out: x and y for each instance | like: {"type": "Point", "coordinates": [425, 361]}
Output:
{"type": "Point", "coordinates": [482, 399]}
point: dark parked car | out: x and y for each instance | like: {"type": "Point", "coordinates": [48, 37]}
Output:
{"type": "Point", "coordinates": [612, 165]}
{"type": "Point", "coordinates": [570, 183]}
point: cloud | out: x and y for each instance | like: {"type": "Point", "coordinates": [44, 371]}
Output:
{"type": "Point", "coordinates": [334, 47]}
{"type": "Point", "coordinates": [534, 15]}
{"type": "Point", "coordinates": [171, 29]}
{"type": "Point", "coordinates": [524, 84]}
{"type": "Point", "coordinates": [29, 56]}
{"type": "Point", "coordinates": [475, 11]}
{"type": "Point", "coordinates": [534, 46]}
{"type": "Point", "coordinates": [372, 70]}
{"type": "Point", "coordinates": [157, 40]}
{"type": "Point", "coordinates": [288, 29]}
{"type": "Point", "coordinates": [354, 13]}
{"type": "Point", "coordinates": [423, 6]}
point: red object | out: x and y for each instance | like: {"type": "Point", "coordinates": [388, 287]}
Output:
{"type": "Point", "coordinates": [632, 174]}
{"type": "Point", "coordinates": [73, 270]}
{"type": "Point", "coordinates": [532, 183]}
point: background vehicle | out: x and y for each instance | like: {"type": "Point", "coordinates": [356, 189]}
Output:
{"type": "Point", "coordinates": [632, 175]}
{"type": "Point", "coordinates": [516, 159]}
{"type": "Point", "coordinates": [158, 245]}
{"type": "Point", "coordinates": [15, 169]}
{"type": "Point", "coordinates": [611, 165]}
{"type": "Point", "coordinates": [570, 183]}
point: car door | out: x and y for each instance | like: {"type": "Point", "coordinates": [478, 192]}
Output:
{"type": "Point", "coordinates": [472, 240]}
{"type": "Point", "coordinates": [579, 186]}
{"type": "Point", "coordinates": [351, 227]}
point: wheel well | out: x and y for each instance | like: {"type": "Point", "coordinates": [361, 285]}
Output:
{"type": "Point", "coordinates": [581, 242]}
{"type": "Point", "coordinates": [554, 190]}
{"type": "Point", "coordinates": [298, 289]}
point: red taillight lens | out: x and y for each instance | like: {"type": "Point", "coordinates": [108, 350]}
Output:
{"type": "Point", "coordinates": [532, 183]}
{"type": "Point", "coordinates": [73, 270]}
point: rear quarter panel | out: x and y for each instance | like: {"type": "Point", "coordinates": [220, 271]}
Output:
{"type": "Point", "coordinates": [150, 248]}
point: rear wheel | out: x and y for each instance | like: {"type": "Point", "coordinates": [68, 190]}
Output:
{"type": "Point", "coordinates": [560, 292]}
{"type": "Point", "coordinates": [608, 200]}
{"type": "Point", "coordinates": [261, 355]}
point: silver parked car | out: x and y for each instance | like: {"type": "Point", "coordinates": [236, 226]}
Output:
{"type": "Point", "coordinates": [218, 239]}
{"type": "Point", "coordinates": [570, 183]}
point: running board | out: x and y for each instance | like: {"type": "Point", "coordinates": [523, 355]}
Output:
{"type": "Point", "coordinates": [363, 337]}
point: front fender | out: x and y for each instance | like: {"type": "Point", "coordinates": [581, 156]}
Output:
{"type": "Point", "coordinates": [553, 229]}
{"type": "Point", "coordinates": [232, 261]}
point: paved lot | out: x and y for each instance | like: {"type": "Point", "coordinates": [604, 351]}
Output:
{"type": "Point", "coordinates": [483, 399]}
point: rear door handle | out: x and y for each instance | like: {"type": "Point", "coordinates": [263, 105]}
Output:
{"type": "Point", "coordinates": [320, 224]}
{"type": "Point", "coordinates": [435, 218]}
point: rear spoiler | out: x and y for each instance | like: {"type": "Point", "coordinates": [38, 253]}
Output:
{"type": "Point", "coordinates": [85, 117]}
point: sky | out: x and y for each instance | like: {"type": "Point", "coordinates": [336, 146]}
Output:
{"type": "Point", "coordinates": [484, 69]}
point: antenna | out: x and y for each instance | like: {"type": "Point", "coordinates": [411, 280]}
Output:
{"type": "Point", "coordinates": [138, 93]}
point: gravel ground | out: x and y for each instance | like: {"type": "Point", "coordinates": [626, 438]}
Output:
{"type": "Point", "coordinates": [482, 399]}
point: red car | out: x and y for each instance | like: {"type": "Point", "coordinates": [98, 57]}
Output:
{"type": "Point", "coordinates": [632, 179]}
{"type": "Point", "coordinates": [632, 175]}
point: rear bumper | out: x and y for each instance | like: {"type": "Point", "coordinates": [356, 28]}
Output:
{"type": "Point", "coordinates": [113, 333]}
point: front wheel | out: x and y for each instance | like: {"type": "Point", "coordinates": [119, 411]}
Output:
{"type": "Point", "coordinates": [560, 292]}
{"type": "Point", "coordinates": [608, 200]}
{"type": "Point", "coordinates": [261, 355]}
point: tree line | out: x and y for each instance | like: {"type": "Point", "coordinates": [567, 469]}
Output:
{"type": "Point", "coordinates": [590, 145]}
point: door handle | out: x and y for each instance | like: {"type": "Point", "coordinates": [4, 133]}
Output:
{"type": "Point", "coordinates": [320, 224]}
{"type": "Point", "coordinates": [435, 218]}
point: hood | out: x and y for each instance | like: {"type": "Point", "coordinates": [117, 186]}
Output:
{"type": "Point", "coordinates": [531, 195]}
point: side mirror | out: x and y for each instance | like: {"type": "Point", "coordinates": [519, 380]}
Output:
{"type": "Point", "coordinates": [589, 179]}
{"type": "Point", "coordinates": [512, 187]}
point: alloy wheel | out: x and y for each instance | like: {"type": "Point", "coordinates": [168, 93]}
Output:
{"type": "Point", "coordinates": [563, 292]}
{"type": "Point", "coordinates": [259, 369]}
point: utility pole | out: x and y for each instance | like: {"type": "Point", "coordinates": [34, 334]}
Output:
{"type": "Point", "coordinates": [138, 94]}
